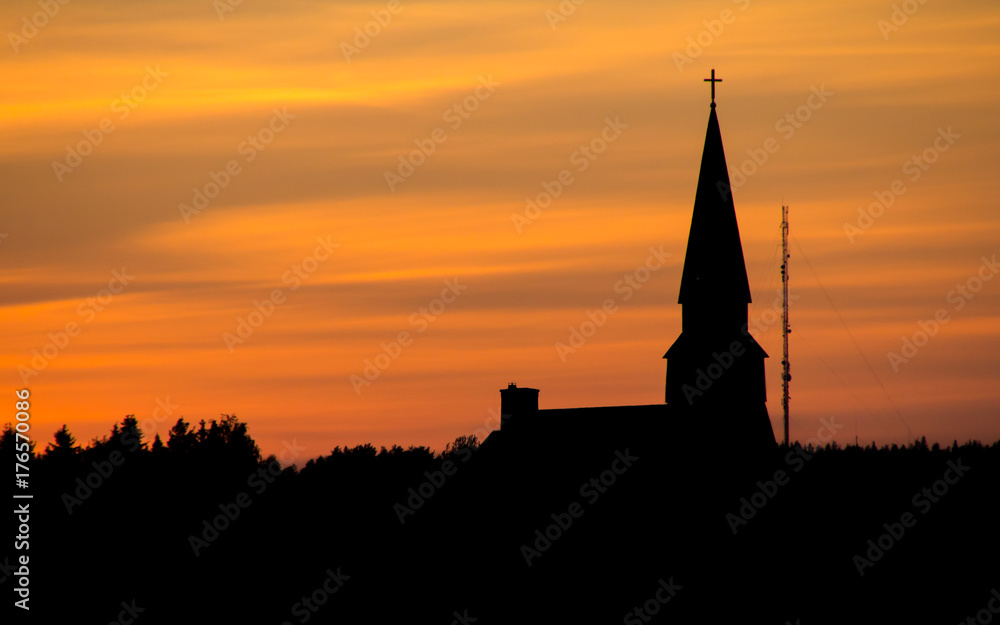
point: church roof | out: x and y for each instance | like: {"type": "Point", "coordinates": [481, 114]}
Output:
{"type": "Point", "coordinates": [713, 265]}
{"type": "Point", "coordinates": [686, 345]}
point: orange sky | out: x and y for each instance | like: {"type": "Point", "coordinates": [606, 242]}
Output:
{"type": "Point", "coordinates": [178, 91]}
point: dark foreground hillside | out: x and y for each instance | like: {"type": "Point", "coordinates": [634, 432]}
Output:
{"type": "Point", "coordinates": [200, 529]}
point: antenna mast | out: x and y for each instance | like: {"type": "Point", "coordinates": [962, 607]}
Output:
{"type": "Point", "coordinates": [785, 375]}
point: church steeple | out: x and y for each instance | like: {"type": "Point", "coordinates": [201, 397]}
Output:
{"type": "Point", "coordinates": [714, 273]}
{"type": "Point", "coordinates": [714, 259]}
{"type": "Point", "coordinates": [715, 368]}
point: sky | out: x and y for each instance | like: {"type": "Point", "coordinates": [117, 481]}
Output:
{"type": "Point", "coordinates": [355, 222]}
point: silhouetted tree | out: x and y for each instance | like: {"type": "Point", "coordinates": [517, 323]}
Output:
{"type": "Point", "coordinates": [361, 451]}
{"type": "Point", "coordinates": [64, 445]}
{"type": "Point", "coordinates": [235, 437]}
{"type": "Point", "coordinates": [202, 434]}
{"type": "Point", "coordinates": [8, 442]}
{"type": "Point", "coordinates": [461, 442]}
{"type": "Point", "coordinates": [182, 440]}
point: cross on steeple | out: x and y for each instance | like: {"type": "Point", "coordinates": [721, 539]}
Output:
{"type": "Point", "coordinates": [713, 80]}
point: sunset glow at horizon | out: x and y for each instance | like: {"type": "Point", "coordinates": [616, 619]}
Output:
{"type": "Point", "coordinates": [249, 211]}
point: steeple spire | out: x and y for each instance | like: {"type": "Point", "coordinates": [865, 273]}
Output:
{"type": "Point", "coordinates": [714, 269]}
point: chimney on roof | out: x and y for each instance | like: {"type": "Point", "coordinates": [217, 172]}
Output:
{"type": "Point", "coordinates": [519, 403]}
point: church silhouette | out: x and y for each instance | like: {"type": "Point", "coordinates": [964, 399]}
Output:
{"type": "Point", "coordinates": [715, 387]}
{"type": "Point", "coordinates": [680, 512]}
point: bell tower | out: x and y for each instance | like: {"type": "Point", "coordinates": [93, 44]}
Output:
{"type": "Point", "coordinates": [715, 368]}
